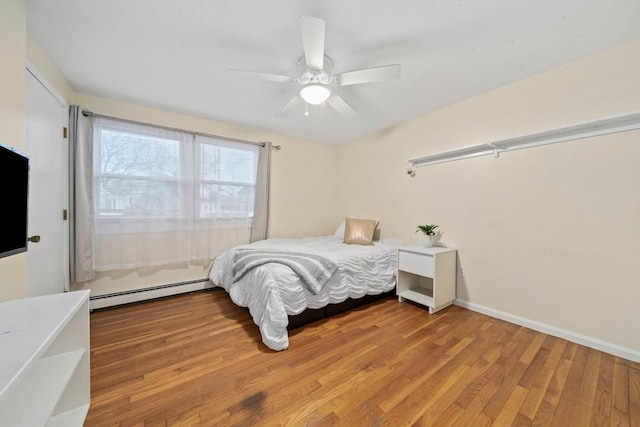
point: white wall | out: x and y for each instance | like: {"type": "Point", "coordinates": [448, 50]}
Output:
{"type": "Point", "coordinates": [13, 269]}
{"type": "Point", "coordinates": [550, 234]}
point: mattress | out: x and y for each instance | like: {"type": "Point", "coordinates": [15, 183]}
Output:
{"type": "Point", "coordinates": [272, 292]}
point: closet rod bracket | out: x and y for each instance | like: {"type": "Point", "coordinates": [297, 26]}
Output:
{"type": "Point", "coordinates": [496, 150]}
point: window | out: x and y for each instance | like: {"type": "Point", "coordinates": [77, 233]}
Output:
{"type": "Point", "coordinates": [146, 179]}
{"type": "Point", "coordinates": [138, 175]}
{"type": "Point", "coordinates": [163, 196]}
{"type": "Point", "coordinates": [227, 179]}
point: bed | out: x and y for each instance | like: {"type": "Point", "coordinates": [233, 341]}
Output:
{"type": "Point", "coordinates": [274, 290]}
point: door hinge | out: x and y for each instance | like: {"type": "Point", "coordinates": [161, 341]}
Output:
{"type": "Point", "coordinates": [64, 214]}
{"type": "Point", "coordinates": [64, 132]}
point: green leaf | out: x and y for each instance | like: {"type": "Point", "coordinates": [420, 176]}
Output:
{"type": "Point", "coordinates": [428, 229]}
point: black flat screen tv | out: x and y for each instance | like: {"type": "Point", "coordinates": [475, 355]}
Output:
{"type": "Point", "coordinates": [14, 185]}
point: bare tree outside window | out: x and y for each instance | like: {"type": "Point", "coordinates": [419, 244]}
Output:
{"type": "Point", "coordinates": [148, 177]}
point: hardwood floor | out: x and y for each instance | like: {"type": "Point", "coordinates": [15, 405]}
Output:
{"type": "Point", "coordinates": [197, 359]}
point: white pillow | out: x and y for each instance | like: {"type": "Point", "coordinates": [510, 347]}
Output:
{"type": "Point", "coordinates": [340, 231]}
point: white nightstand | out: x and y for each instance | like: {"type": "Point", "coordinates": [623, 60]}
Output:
{"type": "Point", "coordinates": [427, 276]}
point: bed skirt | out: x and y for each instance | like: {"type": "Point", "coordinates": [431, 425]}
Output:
{"type": "Point", "coordinates": [313, 315]}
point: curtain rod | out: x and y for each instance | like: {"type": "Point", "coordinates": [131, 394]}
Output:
{"type": "Point", "coordinates": [103, 116]}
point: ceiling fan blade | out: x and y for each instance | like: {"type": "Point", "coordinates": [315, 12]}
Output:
{"type": "Point", "coordinates": [369, 75]}
{"type": "Point", "coordinates": [341, 106]}
{"type": "Point", "coordinates": [261, 76]}
{"type": "Point", "coordinates": [313, 41]}
{"type": "Point", "coordinates": [293, 103]}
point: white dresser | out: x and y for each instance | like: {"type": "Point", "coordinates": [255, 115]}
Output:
{"type": "Point", "coordinates": [44, 361]}
{"type": "Point", "coordinates": [427, 276]}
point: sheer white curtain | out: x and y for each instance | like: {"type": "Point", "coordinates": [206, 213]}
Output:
{"type": "Point", "coordinates": [226, 192]}
{"type": "Point", "coordinates": [142, 193]}
{"type": "Point", "coordinates": [157, 196]}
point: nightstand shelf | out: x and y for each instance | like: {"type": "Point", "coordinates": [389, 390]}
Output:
{"type": "Point", "coordinates": [427, 276]}
{"type": "Point", "coordinates": [419, 295]}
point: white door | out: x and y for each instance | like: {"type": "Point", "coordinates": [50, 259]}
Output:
{"type": "Point", "coordinates": [47, 148]}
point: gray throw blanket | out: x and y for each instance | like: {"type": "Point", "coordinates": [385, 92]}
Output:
{"type": "Point", "coordinates": [314, 270]}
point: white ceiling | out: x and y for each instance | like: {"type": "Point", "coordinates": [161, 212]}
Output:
{"type": "Point", "coordinates": [174, 54]}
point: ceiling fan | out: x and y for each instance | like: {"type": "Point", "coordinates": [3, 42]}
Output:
{"type": "Point", "coordinates": [315, 73]}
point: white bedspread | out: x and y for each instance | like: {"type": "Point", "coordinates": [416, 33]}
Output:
{"type": "Point", "coordinates": [273, 291]}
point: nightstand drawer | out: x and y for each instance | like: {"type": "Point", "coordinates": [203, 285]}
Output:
{"type": "Point", "coordinates": [420, 264]}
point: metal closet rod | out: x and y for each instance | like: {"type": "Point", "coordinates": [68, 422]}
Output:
{"type": "Point", "coordinates": [581, 131]}
{"type": "Point", "coordinates": [226, 138]}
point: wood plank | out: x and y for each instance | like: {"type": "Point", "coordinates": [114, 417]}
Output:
{"type": "Point", "coordinates": [474, 409]}
{"type": "Point", "coordinates": [510, 409]}
{"type": "Point", "coordinates": [602, 400]}
{"type": "Point", "coordinates": [588, 388]}
{"type": "Point", "coordinates": [198, 360]}
{"type": "Point", "coordinates": [541, 382]}
{"type": "Point", "coordinates": [634, 397]}
{"type": "Point", "coordinates": [566, 411]}
{"type": "Point", "coordinates": [546, 410]}
{"type": "Point", "coordinates": [620, 397]}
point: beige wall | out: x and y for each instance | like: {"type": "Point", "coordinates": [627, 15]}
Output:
{"type": "Point", "coordinates": [46, 69]}
{"type": "Point", "coordinates": [303, 187]}
{"type": "Point", "coordinates": [550, 234]}
{"type": "Point", "coordinates": [13, 269]}
{"type": "Point", "coordinates": [303, 174]}
{"type": "Point", "coordinates": [303, 178]}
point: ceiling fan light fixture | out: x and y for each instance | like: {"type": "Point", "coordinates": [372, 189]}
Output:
{"type": "Point", "coordinates": [315, 94]}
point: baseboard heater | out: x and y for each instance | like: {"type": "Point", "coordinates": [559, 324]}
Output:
{"type": "Point", "coordinates": [138, 295]}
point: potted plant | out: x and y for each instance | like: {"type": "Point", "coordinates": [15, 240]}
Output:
{"type": "Point", "coordinates": [429, 233]}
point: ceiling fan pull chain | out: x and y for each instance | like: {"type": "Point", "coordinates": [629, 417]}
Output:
{"type": "Point", "coordinates": [306, 109]}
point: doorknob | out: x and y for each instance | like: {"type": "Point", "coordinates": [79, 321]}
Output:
{"type": "Point", "coordinates": [34, 239]}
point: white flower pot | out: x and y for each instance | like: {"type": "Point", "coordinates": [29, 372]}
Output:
{"type": "Point", "coordinates": [427, 241]}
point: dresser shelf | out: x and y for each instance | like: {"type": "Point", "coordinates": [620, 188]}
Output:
{"type": "Point", "coordinates": [44, 360]}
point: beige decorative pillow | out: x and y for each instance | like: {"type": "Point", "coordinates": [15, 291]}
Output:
{"type": "Point", "coordinates": [358, 231]}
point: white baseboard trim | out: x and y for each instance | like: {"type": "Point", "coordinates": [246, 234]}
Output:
{"type": "Point", "coordinates": [614, 349]}
{"type": "Point", "coordinates": [138, 295]}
